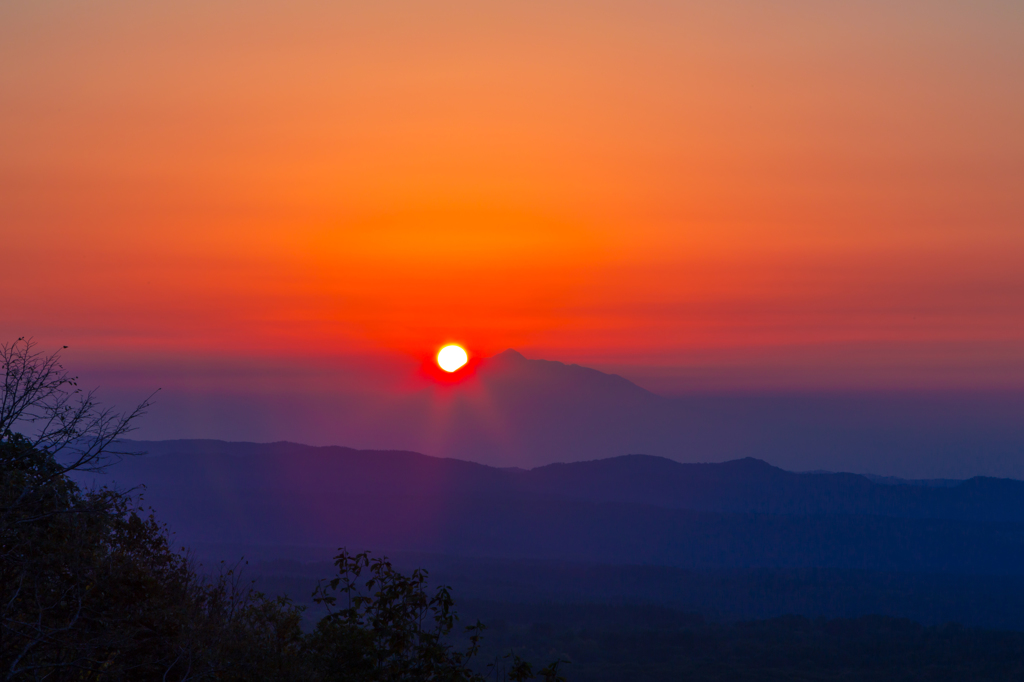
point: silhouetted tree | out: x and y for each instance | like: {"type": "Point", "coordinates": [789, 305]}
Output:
{"type": "Point", "coordinates": [42, 401]}
{"type": "Point", "coordinates": [389, 627]}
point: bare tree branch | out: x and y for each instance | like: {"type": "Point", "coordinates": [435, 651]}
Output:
{"type": "Point", "coordinates": [42, 401]}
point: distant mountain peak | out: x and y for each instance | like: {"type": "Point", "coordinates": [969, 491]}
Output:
{"type": "Point", "coordinates": [750, 463]}
{"type": "Point", "coordinates": [550, 375]}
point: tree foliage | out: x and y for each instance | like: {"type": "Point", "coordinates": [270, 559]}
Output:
{"type": "Point", "coordinates": [389, 628]}
{"type": "Point", "coordinates": [92, 589]}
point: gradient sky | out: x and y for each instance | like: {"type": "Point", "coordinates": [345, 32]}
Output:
{"type": "Point", "coordinates": [699, 196]}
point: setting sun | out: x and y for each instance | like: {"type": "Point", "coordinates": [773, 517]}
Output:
{"type": "Point", "coordinates": [452, 357]}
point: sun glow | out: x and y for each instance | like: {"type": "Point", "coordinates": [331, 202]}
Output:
{"type": "Point", "coordinates": [452, 357]}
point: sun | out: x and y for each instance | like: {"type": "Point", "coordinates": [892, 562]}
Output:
{"type": "Point", "coordinates": [451, 357]}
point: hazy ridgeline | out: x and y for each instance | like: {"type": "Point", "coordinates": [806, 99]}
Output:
{"type": "Point", "coordinates": [735, 540]}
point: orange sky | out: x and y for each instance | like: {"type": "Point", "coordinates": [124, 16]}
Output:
{"type": "Point", "coordinates": [695, 195]}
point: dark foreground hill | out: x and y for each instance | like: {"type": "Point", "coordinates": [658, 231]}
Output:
{"type": "Point", "coordinates": [635, 509]}
{"type": "Point", "coordinates": [622, 644]}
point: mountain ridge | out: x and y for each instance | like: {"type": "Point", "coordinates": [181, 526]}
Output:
{"type": "Point", "coordinates": [745, 485]}
{"type": "Point", "coordinates": [633, 509]}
